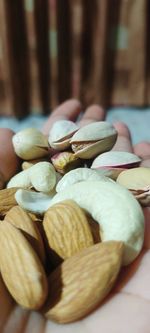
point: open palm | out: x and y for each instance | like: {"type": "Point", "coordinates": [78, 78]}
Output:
{"type": "Point", "coordinates": [127, 308]}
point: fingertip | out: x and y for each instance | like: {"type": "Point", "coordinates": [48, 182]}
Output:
{"type": "Point", "coordinates": [93, 113]}
{"type": "Point", "coordinates": [142, 149]}
{"type": "Point", "coordinates": [122, 129]}
{"type": "Point", "coordinates": [69, 109]}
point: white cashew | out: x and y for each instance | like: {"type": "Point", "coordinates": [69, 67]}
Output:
{"type": "Point", "coordinates": [35, 202]}
{"type": "Point", "coordinates": [78, 175]}
{"type": "Point", "coordinates": [116, 210]}
{"type": "Point", "coordinates": [21, 179]}
{"type": "Point", "coordinates": [42, 176]}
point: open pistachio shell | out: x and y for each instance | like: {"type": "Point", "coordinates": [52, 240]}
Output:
{"type": "Point", "coordinates": [65, 161]}
{"type": "Point", "coordinates": [136, 178]}
{"type": "Point", "coordinates": [93, 139]}
{"type": "Point", "coordinates": [60, 134]}
{"type": "Point", "coordinates": [116, 162]}
{"type": "Point", "coordinates": [116, 210]}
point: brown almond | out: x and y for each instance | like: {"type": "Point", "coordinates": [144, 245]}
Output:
{"type": "Point", "coordinates": [67, 229]}
{"type": "Point", "coordinates": [81, 282]}
{"type": "Point", "coordinates": [21, 220]}
{"type": "Point", "coordinates": [7, 199]}
{"type": "Point", "coordinates": [21, 269]}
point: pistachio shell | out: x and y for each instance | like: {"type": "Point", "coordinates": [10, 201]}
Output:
{"type": "Point", "coordinates": [115, 162]}
{"type": "Point", "coordinates": [93, 139]}
{"type": "Point", "coordinates": [116, 210]}
{"type": "Point", "coordinates": [136, 178]}
{"type": "Point", "coordinates": [78, 175]}
{"type": "Point", "coordinates": [116, 159]}
{"type": "Point", "coordinates": [60, 134]}
{"type": "Point", "coordinates": [30, 143]}
{"type": "Point", "coordinates": [65, 161]}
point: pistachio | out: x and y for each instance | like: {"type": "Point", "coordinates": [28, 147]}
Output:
{"type": "Point", "coordinates": [78, 175]}
{"type": "Point", "coordinates": [65, 161]}
{"type": "Point", "coordinates": [137, 180]}
{"type": "Point", "coordinates": [26, 165]}
{"type": "Point", "coordinates": [60, 134]}
{"type": "Point", "coordinates": [93, 139]}
{"type": "Point", "coordinates": [116, 210]}
{"type": "Point", "coordinates": [116, 162]}
{"type": "Point", "coordinates": [143, 196]}
{"type": "Point", "coordinates": [30, 143]}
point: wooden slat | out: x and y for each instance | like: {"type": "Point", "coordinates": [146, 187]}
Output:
{"type": "Point", "coordinates": [119, 33]}
{"type": "Point", "coordinates": [147, 66]}
{"type": "Point", "coordinates": [97, 79]}
{"type": "Point", "coordinates": [42, 31]}
{"type": "Point", "coordinates": [87, 45]}
{"type": "Point", "coordinates": [64, 38]}
{"type": "Point", "coordinates": [77, 26]}
{"type": "Point", "coordinates": [35, 100]}
{"type": "Point", "coordinates": [17, 56]}
{"type": "Point", "coordinates": [137, 52]}
{"type": "Point", "coordinates": [5, 84]}
{"type": "Point", "coordinates": [53, 53]}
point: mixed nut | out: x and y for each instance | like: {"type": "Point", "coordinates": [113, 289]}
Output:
{"type": "Point", "coordinates": [70, 221]}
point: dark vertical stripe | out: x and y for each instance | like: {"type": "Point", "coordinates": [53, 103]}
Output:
{"type": "Point", "coordinates": [42, 32]}
{"type": "Point", "coordinates": [64, 36]}
{"type": "Point", "coordinates": [18, 56]}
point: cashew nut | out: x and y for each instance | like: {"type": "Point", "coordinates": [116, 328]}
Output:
{"type": "Point", "coordinates": [78, 175]}
{"type": "Point", "coordinates": [116, 210]}
{"type": "Point", "coordinates": [41, 176]}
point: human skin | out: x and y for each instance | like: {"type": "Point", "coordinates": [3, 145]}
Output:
{"type": "Point", "coordinates": [127, 308]}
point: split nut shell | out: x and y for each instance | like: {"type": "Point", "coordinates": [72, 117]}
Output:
{"type": "Point", "coordinates": [93, 139]}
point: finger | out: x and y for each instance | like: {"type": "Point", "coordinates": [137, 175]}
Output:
{"type": "Point", "coordinates": [92, 113]}
{"type": "Point", "coordinates": [67, 110]}
{"type": "Point", "coordinates": [123, 142]}
{"type": "Point", "coordinates": [142, 149]}
{"type": "Point", "coordinates": [9, 161]}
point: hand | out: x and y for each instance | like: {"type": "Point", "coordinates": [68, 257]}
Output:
{"type": "Point", "coordinates": [127, 307]}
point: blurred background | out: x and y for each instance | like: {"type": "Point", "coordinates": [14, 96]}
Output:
{"type": "Point", "coordinates": [95, 50]}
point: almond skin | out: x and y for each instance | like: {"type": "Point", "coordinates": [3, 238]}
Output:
{"type": "Point", "coordinates": [18, 217]}
{"type": "Point", "coordinates": [67, 229]}
{"type": "Point", "coordinates": [81, 282]}
{"type": "Point", "coordinates": [7, 200]}
{"type": "Point", "coordinates": [21, 269]}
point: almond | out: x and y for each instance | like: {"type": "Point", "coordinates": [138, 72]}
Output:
{"type": "Point", "coordinates": [81, 282]}
{"type": "Point", "coordinates": [7, 199]}
{"type": "Point", "coordinates": [21, 220]}
{"type": "Point", "coordinates": [67, 229]}
{"type": "Point", "coordinates": [21, 268]}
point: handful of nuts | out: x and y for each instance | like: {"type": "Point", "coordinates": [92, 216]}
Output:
{"type": "Point", "coordinates": [70, 221]}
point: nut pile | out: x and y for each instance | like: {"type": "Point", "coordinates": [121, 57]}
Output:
{"type": "Point", "coordinates": [71, 220]}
